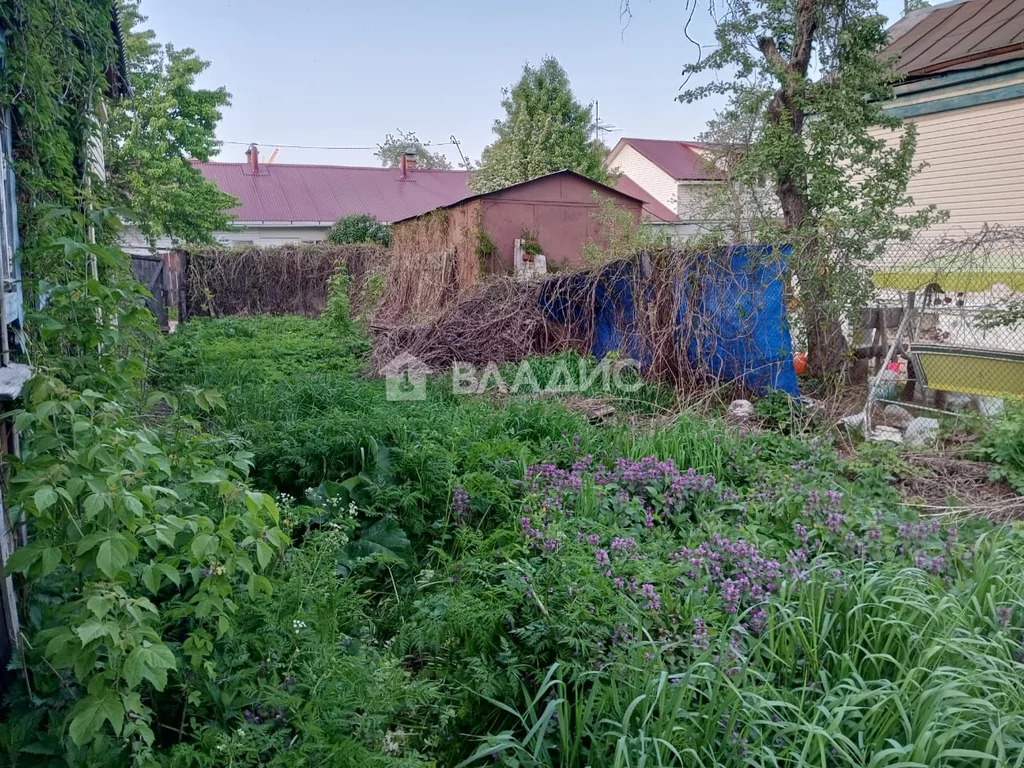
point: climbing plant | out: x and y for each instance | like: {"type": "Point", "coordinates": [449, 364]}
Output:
{"type": "Point", "coordinates": [57, 54]}
{"type": "Point", "coordinates": [143, 535]}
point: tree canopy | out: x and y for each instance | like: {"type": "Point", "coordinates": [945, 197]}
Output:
{"type": "Point", "coordinates": [390, 152]}
{"type": "Point", "coordinates": [544, 130]}
{"type": "Point", "coordinates": [808, 79]}
{"type": "Point", "coordinates": [153, 135]}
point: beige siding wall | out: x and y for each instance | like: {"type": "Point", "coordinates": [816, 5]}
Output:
{"type": "Point", "coordinates": [975, 165]}
{"type": "Point", "coordinates": [693, 200]}
{"type": "Point", "coordinates": [650, 177]}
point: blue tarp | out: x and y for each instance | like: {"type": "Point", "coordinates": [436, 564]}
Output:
{"type": "Point", "coordinates": [737, 331]}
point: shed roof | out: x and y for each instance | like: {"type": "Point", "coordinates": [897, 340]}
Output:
{"type": "Point", "coordinates": [679, 159]}
{"type": "Point", "coordinates": [652, 208]}
{"type": "Point", "coordinates": [958, 35]}
{"type": "Point", "coordinates": [324, 193]}
{"type": "Point", "coordinates": [563, 172]}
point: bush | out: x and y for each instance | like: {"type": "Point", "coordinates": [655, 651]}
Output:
{"type": "Point", "coordinates": [1003, 445]}
{"type": "Point", "coordinates": [360, 228]}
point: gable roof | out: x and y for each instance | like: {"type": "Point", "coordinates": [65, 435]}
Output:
{"type": "Point", "coordinates": [959, 35]}
{"type": "Point", "coordinates": [322, 194]}
{"type": "Point", "coordinates": [563, 172]}
{"type": "Point", "coordinates": [652, 208]}
{"type": "Point", "coordinates": [679, 159]}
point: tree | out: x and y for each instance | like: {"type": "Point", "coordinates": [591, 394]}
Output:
{"type": "Point", "coordinates": [359, 228]}
{"type": "Point", "coordinates": [811, 73]}
{"type": "Point", "coordinates": [736, 208]}
{"type": "Point", "coordinates": [544, 130]}
{"type": "Point", "coordinates": [391, 150]}
{"type": "Point", "coordinates": [152, 136]}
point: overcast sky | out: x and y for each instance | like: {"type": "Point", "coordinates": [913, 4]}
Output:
{"type": "Point", "coordinates": [343, 73]}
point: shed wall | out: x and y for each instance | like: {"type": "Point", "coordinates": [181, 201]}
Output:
{"type": "Point", "coordinates": [454, 230]}
{"type": "Point", "coordinates": [559, 210]}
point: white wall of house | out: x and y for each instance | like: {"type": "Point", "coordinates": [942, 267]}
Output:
{"type": "Point", "coordinates": [275, 233]}
{"type": "Point", "coordinates": [692, 200]}
{"type": "Point", "coordinates": [249, 233]}
{"type": "Point", "coordinates": [650, 177]}
{"type": "Point", "coordinates": [676, 231]}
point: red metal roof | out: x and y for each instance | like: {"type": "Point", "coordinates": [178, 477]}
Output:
{"type": "Point", "coordinates": [325, 193]}
{"type": "Point", "coordinates": [563, 172]}
{"type": "Point", "coordinates": [957, 35]}
{"type": "Point", "coordinates": [679, 159]}
{"type": "Point", "coordinates": [652, 208]}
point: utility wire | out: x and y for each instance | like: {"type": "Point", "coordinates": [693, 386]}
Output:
{"type": "Point", "coordinates": [308, 146]}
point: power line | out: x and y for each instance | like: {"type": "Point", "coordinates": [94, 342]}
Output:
{"type": "Point", "coordinates": [310, 146]}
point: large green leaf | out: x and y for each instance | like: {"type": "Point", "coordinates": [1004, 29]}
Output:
{"type": "Point", "coordinates": [92, 711]}
{"type": "Point", "coordinates": [113, 555]}
{"type": "Point", "coordinates": [150, 662]}
{"type": "Point", "coordinates": [383, 540]}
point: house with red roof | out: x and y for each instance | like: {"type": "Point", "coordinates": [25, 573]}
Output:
{"type": "Point", "coordinates": [672, 175]}
{"type": "Point", "coordinates": [282, 203]}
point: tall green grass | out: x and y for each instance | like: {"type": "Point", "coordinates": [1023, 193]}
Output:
{"type": "Point", "coordinates": [881, 666]}
{"type": "Point", "coordinates": [866, 663]}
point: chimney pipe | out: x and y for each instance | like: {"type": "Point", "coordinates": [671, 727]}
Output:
{"type": "Point", "coordinates": [252, 154]}
{"type": "Point", "coordinates": [408, 163]}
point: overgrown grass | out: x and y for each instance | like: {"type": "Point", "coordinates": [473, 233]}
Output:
{"type": "Point", "coordinates": [886, 668]}
{"type": "Point", "coordinates": [573, 595]}
{"type": "Point", "coordinates": [296, 390]}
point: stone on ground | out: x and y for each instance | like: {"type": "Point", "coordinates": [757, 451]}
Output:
{"type": "Point", "coordinates": [740, 410]}
{"type": "Point", "coordinates": [854, 422]}
{"type": "Point", "coordinates": [886, 435]}
{"type": "Point", "coordinates": [897, 416]}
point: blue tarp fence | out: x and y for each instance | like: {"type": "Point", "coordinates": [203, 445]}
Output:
{"type": "Point", "coordinates": [730, 314]}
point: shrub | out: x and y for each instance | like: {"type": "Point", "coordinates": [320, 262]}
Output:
{"type": "Point", "coordinates": [359, 228]}
{"type": "Point", "coordinates": [1003, 445]}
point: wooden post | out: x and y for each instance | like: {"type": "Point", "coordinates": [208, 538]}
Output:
{"type": "Point", "coordinates": [862, 336]}
{"type": "Point", "coordinates": [910, 388]}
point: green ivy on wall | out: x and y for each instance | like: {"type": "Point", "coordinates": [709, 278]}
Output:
{"type": "Point", "coordinates": [56, 56]}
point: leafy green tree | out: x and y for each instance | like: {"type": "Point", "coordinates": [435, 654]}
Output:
{"type": "Point", "coordinates": [544, 130]}
{"type": "Point", "coordinates": [809, 75]}
{"type": "Point", "coordinates": [153, 135]}
{"type": "Point", "coordinates": [359, 228]}
{"type": "Point", "coordinates": [393, 147]}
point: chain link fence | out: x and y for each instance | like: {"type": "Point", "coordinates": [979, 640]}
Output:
{"type": "Point", "coordinates": [949, 312]}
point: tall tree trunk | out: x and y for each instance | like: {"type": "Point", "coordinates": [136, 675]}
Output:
{"type": "Point", "coordinates": [826, 344]}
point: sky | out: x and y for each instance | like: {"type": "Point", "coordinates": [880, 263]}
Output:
{"type": "Point", "coordinates": [344, 73]}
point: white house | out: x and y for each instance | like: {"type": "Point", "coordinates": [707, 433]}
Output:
{"type": "Point", "coordinates": [673, 173]}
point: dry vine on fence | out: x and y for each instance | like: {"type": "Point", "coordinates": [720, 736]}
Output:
{"type": "Point", "coordinates": [281, 280]}
{"type": "Point", "coordinates": [656, 297]}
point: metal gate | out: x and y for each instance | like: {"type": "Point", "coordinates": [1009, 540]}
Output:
{"type": "Point", "coordinates": [149, 270]}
